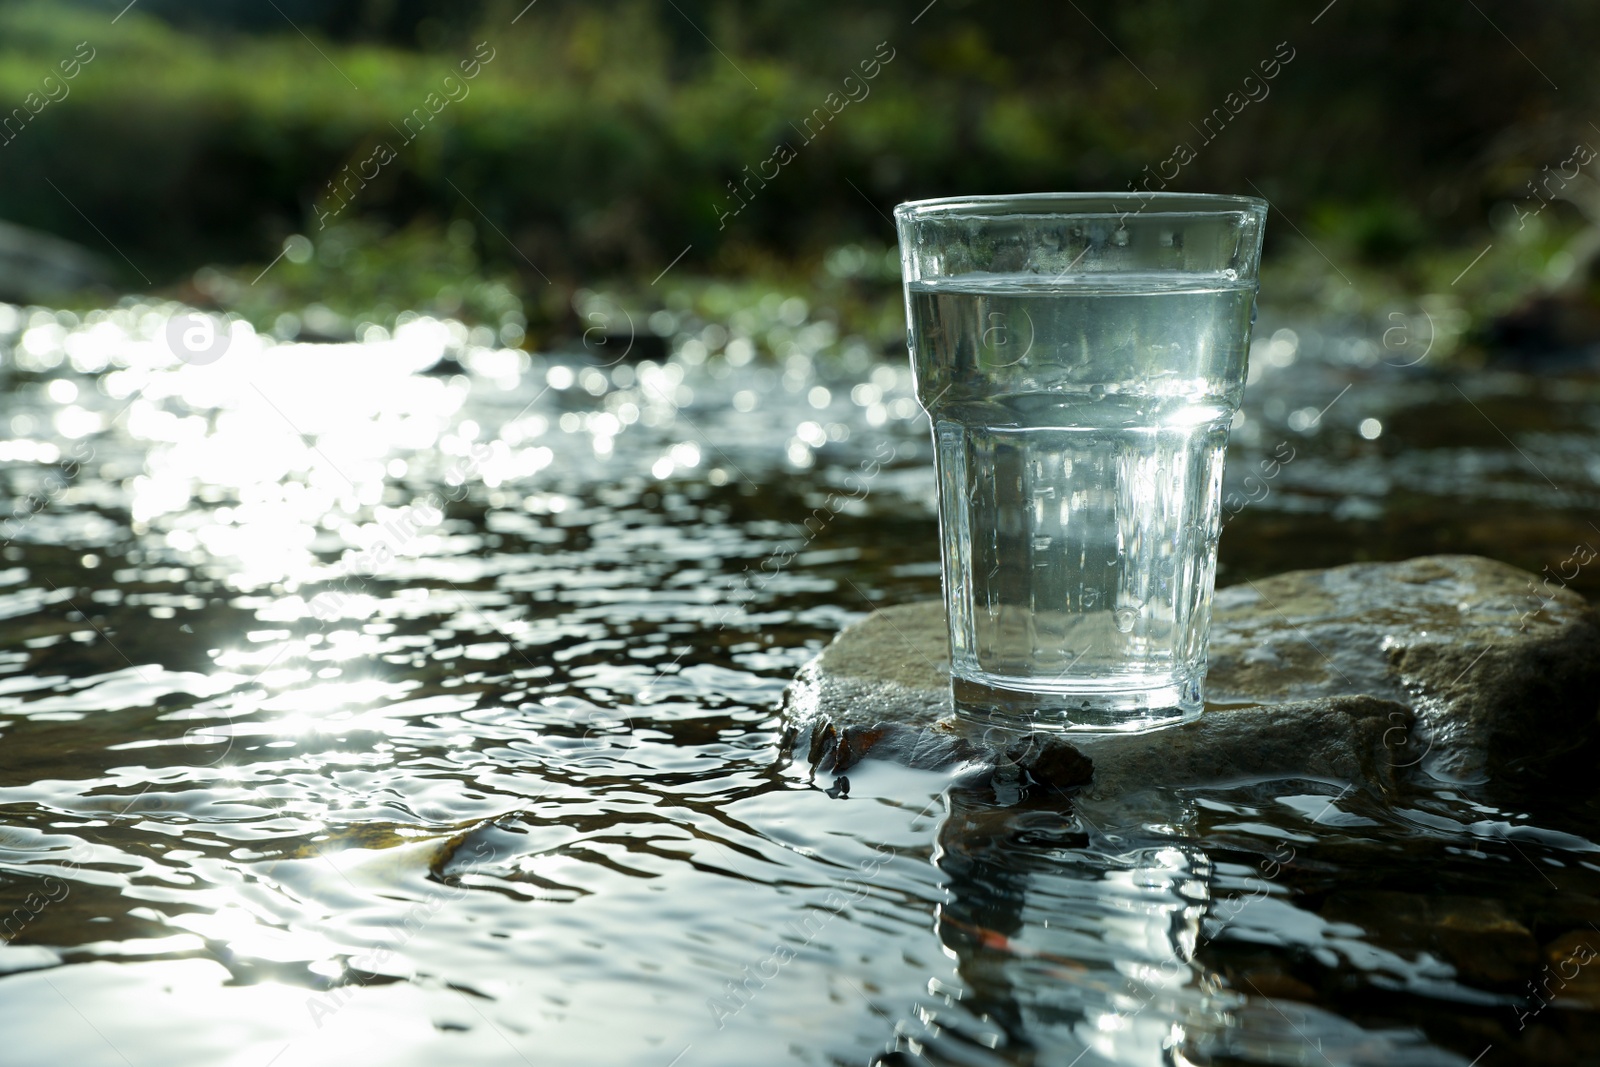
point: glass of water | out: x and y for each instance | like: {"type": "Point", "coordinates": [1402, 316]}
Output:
{"type": "Point", "coordinates": [1081, 357]}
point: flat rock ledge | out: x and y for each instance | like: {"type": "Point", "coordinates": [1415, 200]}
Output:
{"type": "Point", "coordinates": [1456, 667]}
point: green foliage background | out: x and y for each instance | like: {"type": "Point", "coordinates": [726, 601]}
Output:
{"type": "Point", "coordinates": [601, 138]}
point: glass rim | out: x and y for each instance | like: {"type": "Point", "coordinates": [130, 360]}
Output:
{"type": "Point", "coordinates": [1079, 204]}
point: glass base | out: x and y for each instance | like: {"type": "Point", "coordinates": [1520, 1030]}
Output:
{"type": "Point", "coordinates": [1077, 710]}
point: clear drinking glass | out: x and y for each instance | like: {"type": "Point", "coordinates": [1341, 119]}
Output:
{"type": "Point", "coordinates": [1081, 356]}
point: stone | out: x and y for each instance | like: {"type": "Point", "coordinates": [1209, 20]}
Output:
{"type": "Point", "coordinates": [1499, 669]}
{"type": "Point", "coordinates": [1571, 971]}
{"type": "Point", "coordinates": [1456, 666]}
{"type": "Point", "coordinates": [36, 266]}
{"type": "Point", "coordinates": [1476, 936]}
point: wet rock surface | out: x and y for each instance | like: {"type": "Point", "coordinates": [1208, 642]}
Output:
{"type": "Point", "coordinates": [1459, 667]}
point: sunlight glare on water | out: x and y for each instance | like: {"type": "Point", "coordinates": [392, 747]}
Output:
{"type": "Point", "coordinates": [415, 702]}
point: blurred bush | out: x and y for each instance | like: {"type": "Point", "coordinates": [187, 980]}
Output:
{"type": "Point", "coordinates": [612, 135]}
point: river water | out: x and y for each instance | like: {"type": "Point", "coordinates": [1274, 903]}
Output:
{"type": "Point", "coordinates": [412, 701]}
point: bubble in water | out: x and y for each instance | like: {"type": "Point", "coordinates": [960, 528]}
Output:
{"type": "Point", "coordinates": [1125, 618]}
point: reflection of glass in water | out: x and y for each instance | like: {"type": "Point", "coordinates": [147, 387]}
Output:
{"type": "Point", "coordinates": [1075, 951]}
{"type": "Point", "coordinates": [1081, 428]}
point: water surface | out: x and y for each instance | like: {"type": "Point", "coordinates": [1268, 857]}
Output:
{"type": "Point", "coordinates": [413, 701]}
